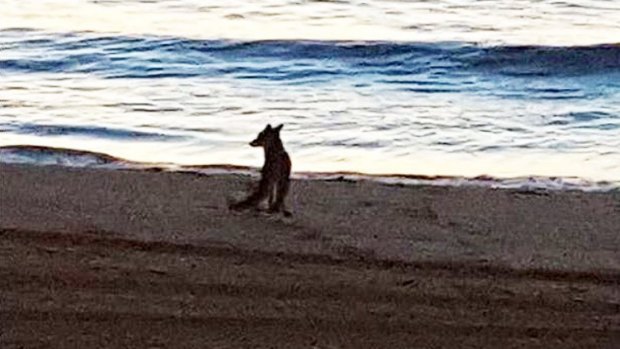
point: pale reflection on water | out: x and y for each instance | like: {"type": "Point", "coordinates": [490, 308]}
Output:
{"type": "Point", "coordinates": [515, 21]}
{"type": "Point", "coordinates": [195, 122]}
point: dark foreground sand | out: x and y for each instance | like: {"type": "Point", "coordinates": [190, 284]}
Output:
{"type": "Point", "coordinates": [125, 259]}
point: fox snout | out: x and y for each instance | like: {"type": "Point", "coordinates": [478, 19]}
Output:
{"type": "Point", "coordinates": [255, 143]}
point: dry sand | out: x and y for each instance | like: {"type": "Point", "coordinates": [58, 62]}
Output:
{"type": "Point", "coordinates": [125, 259]}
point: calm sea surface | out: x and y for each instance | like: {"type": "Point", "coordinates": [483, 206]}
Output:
{"type": "Point", "coordinates": [504, 88]}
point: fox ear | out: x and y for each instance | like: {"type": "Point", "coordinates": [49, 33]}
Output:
{"type": "Point", "coordinates": [279, 127]}
{"type": "Point", "coordinates": [268, 127]}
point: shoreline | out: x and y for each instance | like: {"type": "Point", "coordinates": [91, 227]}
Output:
{"type": "Point", "coordinates": [124, 258]}
{"type": "Point", "coordinates": [66, 157]}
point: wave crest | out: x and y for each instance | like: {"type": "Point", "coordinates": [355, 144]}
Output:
{"type": "Point", "coordinates": [282, 60]}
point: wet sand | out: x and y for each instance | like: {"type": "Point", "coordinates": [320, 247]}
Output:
{"type": "Point", "coordinates": [99, 258]}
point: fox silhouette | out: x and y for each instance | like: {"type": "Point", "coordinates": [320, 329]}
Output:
{"type": "Point", "coordinates": [275, 175]}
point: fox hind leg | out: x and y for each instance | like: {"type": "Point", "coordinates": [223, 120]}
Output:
{"type": "Point", "coordinates": [257, 196]}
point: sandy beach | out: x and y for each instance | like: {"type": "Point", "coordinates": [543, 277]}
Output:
{"type": "Point", "coordinates": [95, 258]}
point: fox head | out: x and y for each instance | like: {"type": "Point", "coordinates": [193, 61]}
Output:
{"type": "Point", "coordinates": [267, 137]}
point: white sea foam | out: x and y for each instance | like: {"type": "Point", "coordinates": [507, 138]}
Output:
{"type": "Point", "coordinates": [57, 156]}
{"type": "Point", "coordinates": [34, 155]}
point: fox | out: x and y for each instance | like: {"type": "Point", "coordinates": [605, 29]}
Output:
{"type": "Point", "coordinates": [275, 181]}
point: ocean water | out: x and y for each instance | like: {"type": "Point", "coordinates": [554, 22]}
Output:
{"type": "Point", "coordinates": [497, 88]}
